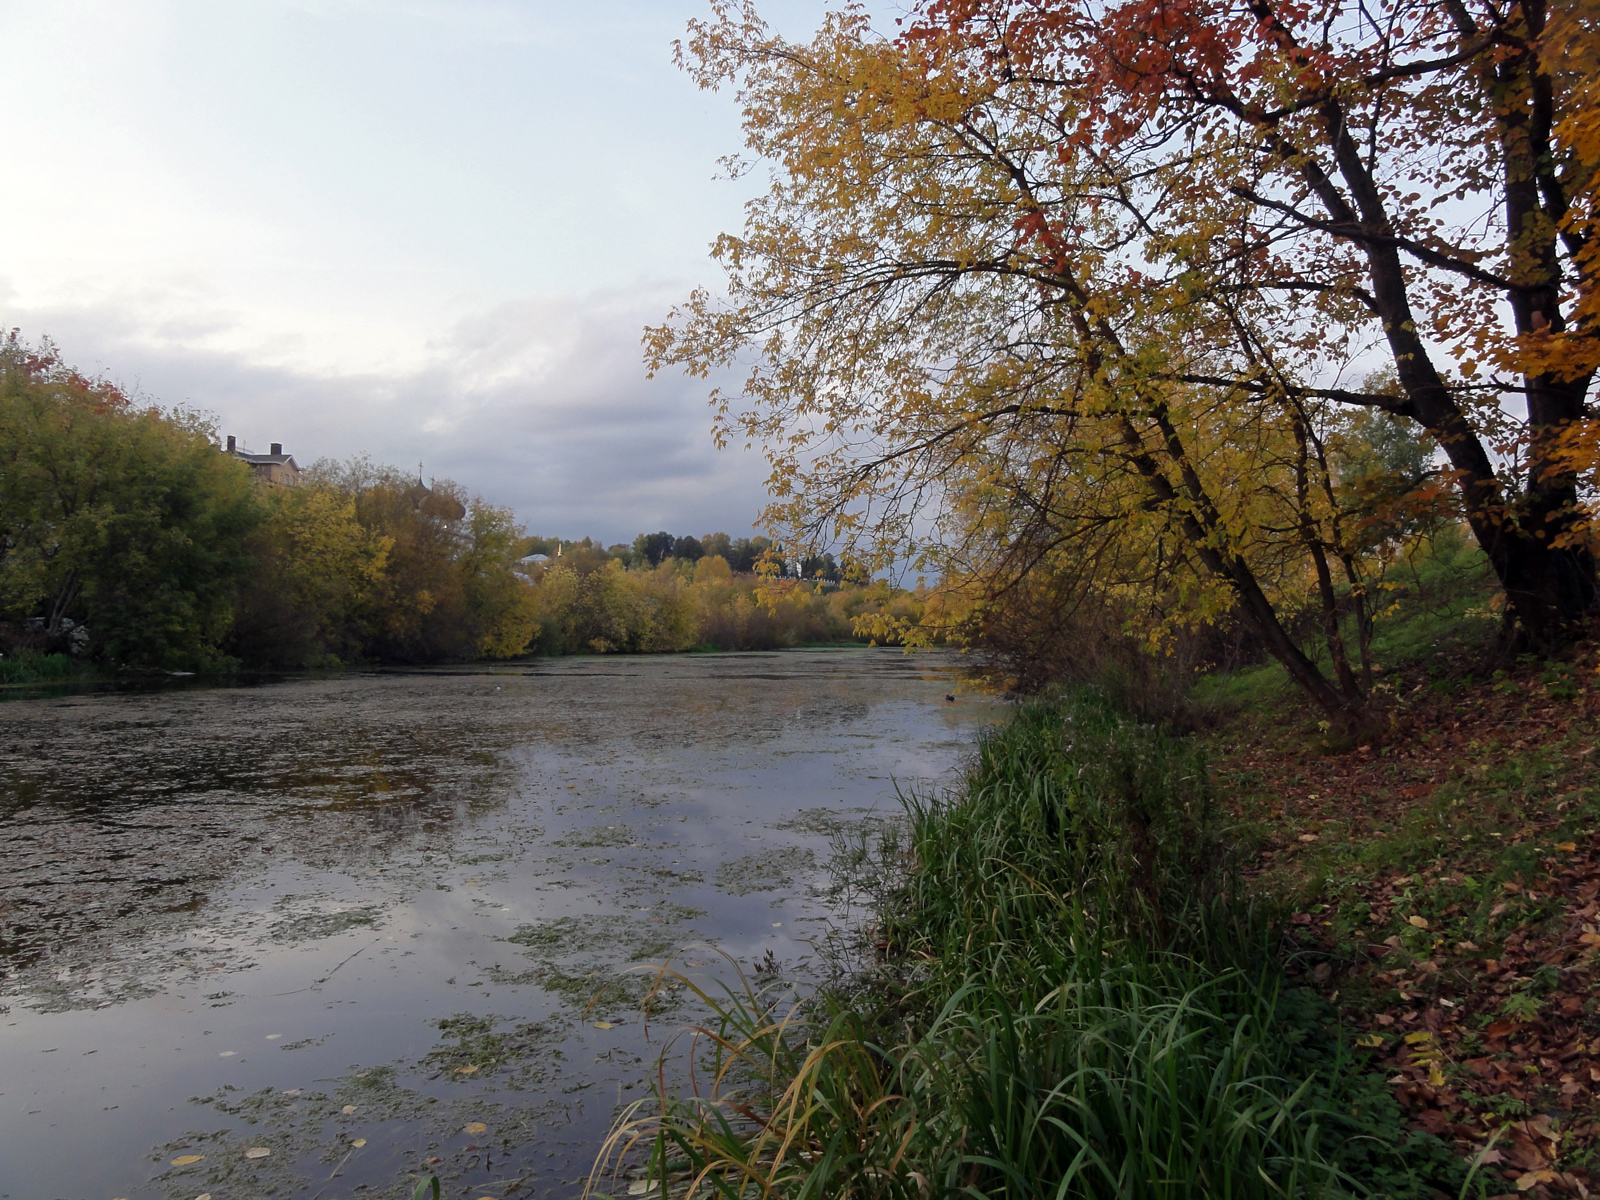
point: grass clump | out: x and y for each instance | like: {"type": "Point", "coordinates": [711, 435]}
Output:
{"type": "Point", "coordinates": [1073, 997]}
{"type": "Point", "coordinates": [30, 666]}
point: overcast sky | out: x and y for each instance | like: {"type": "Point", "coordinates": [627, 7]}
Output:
{"type": "Point", "coordinates": [417, 229]}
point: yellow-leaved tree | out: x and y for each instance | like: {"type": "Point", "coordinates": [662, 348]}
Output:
{"type": "Point", "coordinates": [1084, 287]}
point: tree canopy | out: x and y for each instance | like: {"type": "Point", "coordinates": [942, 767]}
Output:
{"type": "Point", "coordinates": [1108, 287]}
{"type": "Point", "coordinates": [115, 514]}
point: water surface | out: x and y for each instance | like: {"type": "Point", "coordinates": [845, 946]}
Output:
{"type": "Point", "coordinates": [380, 908]}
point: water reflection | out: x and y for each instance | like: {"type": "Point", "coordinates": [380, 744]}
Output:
{"type": "Point", "coordinates": [378, 908]}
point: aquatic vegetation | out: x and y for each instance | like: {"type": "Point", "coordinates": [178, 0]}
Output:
{"type": "Point", "coordinates": [765, 871]}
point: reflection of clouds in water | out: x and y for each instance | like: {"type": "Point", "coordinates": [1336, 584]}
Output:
{"type": "Point", "coordinates": [347, 859]}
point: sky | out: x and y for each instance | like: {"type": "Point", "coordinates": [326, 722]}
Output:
{"type": "Point", "coordinates": [421, 230]}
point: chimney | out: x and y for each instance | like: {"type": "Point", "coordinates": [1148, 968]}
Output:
{"type": "Point", "coordinates": [230, 443]}
{"type": "Point", "coordinates": [277, 447]}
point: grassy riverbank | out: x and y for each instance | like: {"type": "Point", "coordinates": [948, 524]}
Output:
{"type": "Point", "coordinates": [30, 666]}
{"type": "Point", "coordinates": [1076, 993]}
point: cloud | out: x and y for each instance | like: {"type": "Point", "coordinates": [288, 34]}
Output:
{"type": "Point", "coordinates": [540, 404]}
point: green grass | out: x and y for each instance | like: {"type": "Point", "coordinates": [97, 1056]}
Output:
{"type": "Point", "coordinates": [1076, 999]}
{"type": "Point", "coordinates": [1440, 599]}
{"type": "Point", "coordinates": [29, 666]}
{"type": "Point", "coordinates": [1493, 825]}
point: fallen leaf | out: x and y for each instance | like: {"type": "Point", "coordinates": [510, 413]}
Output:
{"type": "Point", "coordinates": [293, 1092]}
{"type": "Point", "coordinates": [359, 1142]}
{"type": "Point", "coordinates": [1308, 837]}
{"type": "Point", "coordinates": [348, 1109]}
{"type": "Point", "coordinates": [226, 1053]}
{"type": "Point", "coordinates": [257, 1152]}
{"type": "Point", "coordinates": [603, 1025]}
{"type": "Point", "coordinates": [203, 1196]}
{"type": "Point", "coordinates": [1370, 1040]}
{"type": "Point", "coordinates": [1419, 922]}
{"type": "Point", "coordinates": [272, 1037]}
{"type": "Point", "coordinates": [476, 1127]}
{"type": "Point", "coordinates": [1568, 847]}
{"type": "Point", "coordinates": [183, 1160]}
{"type": "Point", "coordinates": [466, 1070]}
{"type": "Point", "coordinates": [1533, 1178]}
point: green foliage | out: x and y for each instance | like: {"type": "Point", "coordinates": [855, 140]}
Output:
{"type": "Point", "coordinates": [30, 666]}
{"type": "Point", "coordinates": [1078, 1001]}
{"type": "Point", "coordinates": [120, 518]}
{"type": "Point", "coordinates": [362, 562]}
{"type": "Point", "coordinates": [128, 525]}
{"type": "Point", "coordinates": [588, 605]}
{"type": "Point", "coordinates": [1441, 604]}
{"type": "Point", "coordinates": [317, 570]}
{"type": "Point", "coordinates": [1091, 816]}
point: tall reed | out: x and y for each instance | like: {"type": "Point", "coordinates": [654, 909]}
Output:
{"type": "Point", "coordinates": [1073, 998]}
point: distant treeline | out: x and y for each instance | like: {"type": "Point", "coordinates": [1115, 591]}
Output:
{"type": "Point", "coordinates": [741, 554]}
{"type": "Point", "coordinates": [128, 538]}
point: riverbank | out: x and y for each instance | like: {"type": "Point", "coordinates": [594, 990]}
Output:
{"type": "Point", "coordinates": [1443, 888]}
{"type": "Point", "coordinates": [1246, 963]}
{"type": "Point", "coordinates": [30, 666]}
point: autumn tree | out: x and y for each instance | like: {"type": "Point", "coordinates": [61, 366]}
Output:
{"type": "Point", "coordinates": [117, 516]}
{"type": "Point", "coordinates": [1042, 278]}
{"type": "Point", "coordinates": [502, 614]}
{"type": "Point", "coordinates": [447, 584]}
{"type": "Point", "coordinates": [1415, 175]}
{"type": "Point", "coordinates": [315, 582]}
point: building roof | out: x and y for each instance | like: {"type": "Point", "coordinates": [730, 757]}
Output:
{"type": "Point", "coordinates": [263, 458]}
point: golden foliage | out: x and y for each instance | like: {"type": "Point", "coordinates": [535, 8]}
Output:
{"type": "Point", "coordinates": [1040, 286]}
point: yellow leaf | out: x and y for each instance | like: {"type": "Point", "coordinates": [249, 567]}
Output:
{"type": "Point", "coordinates": [1419, 922]}
{"type": "Point", "coordinates": [1568, 847]}
{"type": "Point", "coordinates": [257, 1152]}
{"type": "Point", "coordinates": [466, 1070]}
{"type": "Point", "coordinates": [603, 1025]}
{"type": "Point", "coordinates": [1435, 1076]}
{"type": "Point", "coordinates": [476, 1127]}
{"type": "Point", "coordinates": [348, 1109]}
{"type": "Point", "coordinates": [1370, 1040]}
{"type": "Point", "coordinates": [359, 1142]}
{"type": "Point", "coordinates": [1532, 1178]}
{"type": "Point", "coordinates": [183, 1160]}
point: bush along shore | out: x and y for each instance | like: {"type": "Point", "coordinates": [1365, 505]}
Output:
{"type": "Point", "coordinates": [32, 666]}
{"type": "Point", "coordinates": [1077, 987]}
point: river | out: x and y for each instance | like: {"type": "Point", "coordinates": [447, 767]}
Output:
{"type": "Point", "coordinates": [313, 937]}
